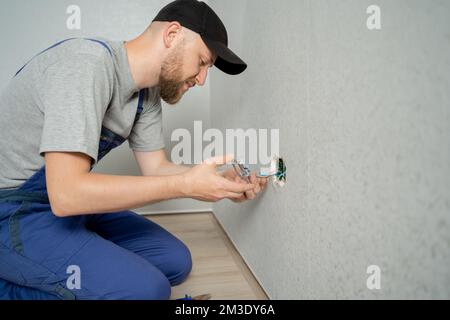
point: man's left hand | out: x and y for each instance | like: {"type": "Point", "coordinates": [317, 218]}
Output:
{"type": "Point", "coordinates": [260, 183]}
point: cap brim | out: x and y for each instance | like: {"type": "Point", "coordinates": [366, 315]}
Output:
{"type": "Point", "coordinates": [227, 61]}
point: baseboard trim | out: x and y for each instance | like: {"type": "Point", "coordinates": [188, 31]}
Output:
{"type": "Point", "coordinates": [242, 257]}
{"type": "Point", "coordinates": [174, 212]}
{"type": "Point", "coordinates": [149, 213]}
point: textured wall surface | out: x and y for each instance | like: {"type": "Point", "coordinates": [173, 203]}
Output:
{"type": "Point", "coordinates": [364, 119]}
{"type": "Point", "coordinates": [27, 27]}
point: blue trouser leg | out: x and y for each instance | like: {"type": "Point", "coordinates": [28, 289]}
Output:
{"type": "Point", "coordinates": [119, 255]}
{"type": "Point", "coordinates": [12, 291]}
{"type": "Point", "coordinates": [147, 239]}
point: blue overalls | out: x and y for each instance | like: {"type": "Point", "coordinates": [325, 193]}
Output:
{"type": "Point", "coordinates": [105, 256]}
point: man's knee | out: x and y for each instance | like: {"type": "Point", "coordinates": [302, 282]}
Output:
{"type": "Point", "coordinates": [180, 264]}
{"type": "Point", "coordinates": [143, 286]}
{"type": "Point", "coordinates": [128, 277]}
{"type": "Point", "coordinates": [151, 289]}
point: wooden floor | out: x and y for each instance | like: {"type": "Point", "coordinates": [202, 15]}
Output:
{"type": "Point", "coordinates": [217, 268]}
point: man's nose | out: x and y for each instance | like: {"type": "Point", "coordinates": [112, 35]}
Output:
{"type": "Point", "coordinates": [200, 79]}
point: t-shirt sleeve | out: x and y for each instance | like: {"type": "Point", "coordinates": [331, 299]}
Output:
{"type": "Point", "coordinates": [75, 94]}
{"type": "Point", "coordinates": [147, 132]}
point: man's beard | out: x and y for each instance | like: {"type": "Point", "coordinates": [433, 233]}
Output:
{"type": "Point", "coordinates": [170, 79]}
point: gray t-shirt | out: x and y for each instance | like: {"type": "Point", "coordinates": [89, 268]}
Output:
{"type": "Point", "coordinates": [60, 101]}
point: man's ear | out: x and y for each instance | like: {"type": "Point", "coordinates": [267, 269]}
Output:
{"type": "Point", "coordinates": [171, 32]}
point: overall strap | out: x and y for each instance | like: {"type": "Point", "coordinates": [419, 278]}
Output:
{"type": "Point", "coordinates": [140, 103]}
{"type": "Point", "coordinates": [61, 42]}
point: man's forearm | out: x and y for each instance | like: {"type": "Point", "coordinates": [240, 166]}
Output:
{"type": "Point", "coordinates": [170, 168]}
{"type": "Point", "coordinates": [96, 193]}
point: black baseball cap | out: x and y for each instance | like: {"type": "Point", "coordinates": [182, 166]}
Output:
{"type": "Point", "coordinates": [200, 18]}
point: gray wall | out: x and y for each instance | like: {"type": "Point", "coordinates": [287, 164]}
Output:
{"type": "Point", "coordinates": [27, 27]}
{"type": "Point", "coordinates": [364, 119]}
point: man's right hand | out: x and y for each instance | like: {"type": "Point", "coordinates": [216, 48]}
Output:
{"type": "Point", "coordinates": [204, 183]}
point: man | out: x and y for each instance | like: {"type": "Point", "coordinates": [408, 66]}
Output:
{"type": "Point", "coordinates": [67, 233]}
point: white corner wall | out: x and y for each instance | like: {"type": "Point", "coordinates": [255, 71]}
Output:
{"type": "Point", "coordinates": [364, 119]}
{"type": "Point", "coordinates": [27, 27]}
